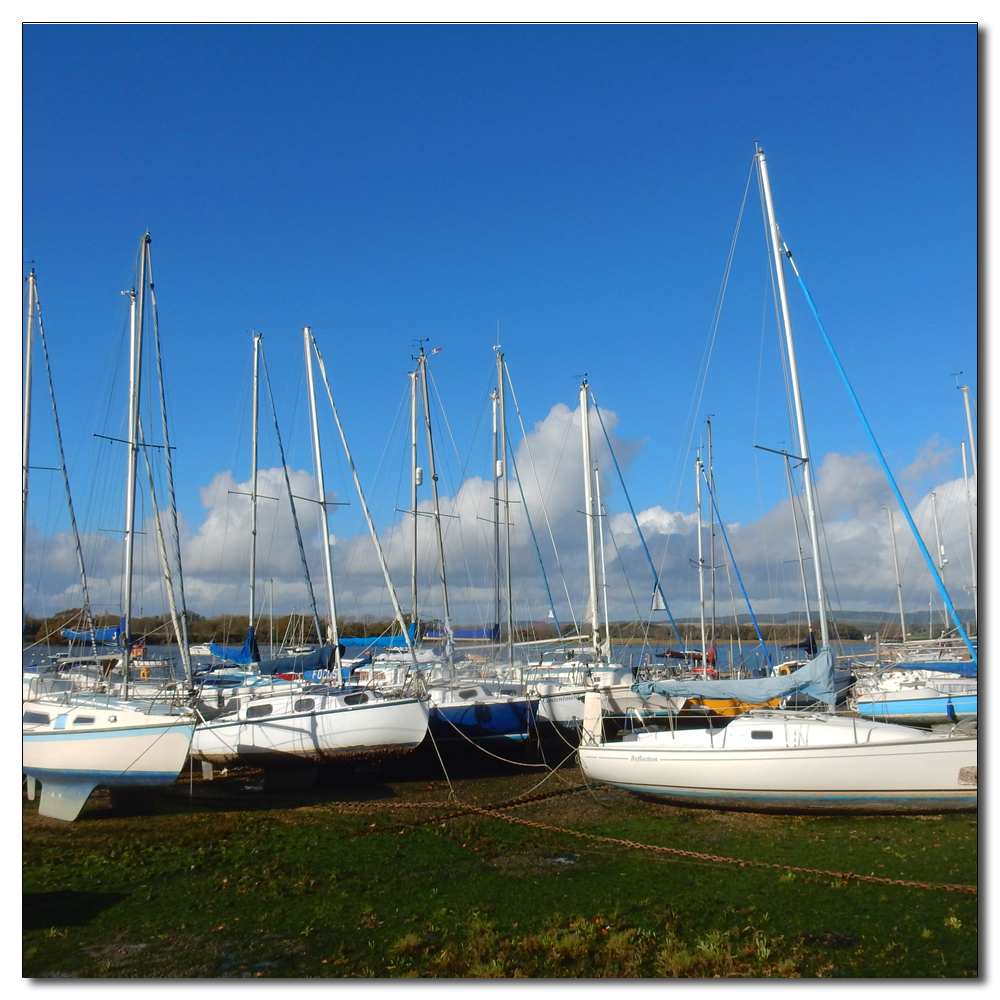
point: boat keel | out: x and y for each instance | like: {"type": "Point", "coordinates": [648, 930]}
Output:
{"type": "Point", "coordinates": [64, 799]}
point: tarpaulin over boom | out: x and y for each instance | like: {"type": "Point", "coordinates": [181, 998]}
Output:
{"type": "Point", "coordinates": [815, 679]}
{"type": "Point", "coordinates": [964, 668]}
{"type": "Point", "coordinates": [318, 659]}
{"type": "Point", "coordinates": [111, 634]}
{"type": "Point", "coordinates": [383, 642]}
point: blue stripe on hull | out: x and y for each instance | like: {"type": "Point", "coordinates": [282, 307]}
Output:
{"type": "Point", "coordinates": [923, 709]}
{"type": "Point", "coordinates": [105, 734]}
{"type": "Point", "coordinates": [107, 779]}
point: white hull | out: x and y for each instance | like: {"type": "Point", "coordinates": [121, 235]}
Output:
{"type": "Point", "coordinates": [73, 744]}
{"type": "Point", "coordinates": [791, 762]}
{"type": "Point", "coordinates": [298, 726]}
{"type": "Point", "coordinates": [560, 704]}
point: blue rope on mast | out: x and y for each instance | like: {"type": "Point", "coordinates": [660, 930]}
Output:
{"type": "Point", "coordinates": [725, 538]}
{"type": "Point", "coordinates": [885, 468]}
{"type": "Point", "coordinates": [656, 580]}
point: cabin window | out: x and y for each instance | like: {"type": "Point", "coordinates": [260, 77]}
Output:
{"type": "Point", "coordinates": [356, 699]}
{"type": "Point", "coordinates": [83, 720]}
{"type": "Point", "coordinates": [468, 693]}
{"type": "Point", "coordinates": [305, 705]}
{"type": "Point", "coordinates": [259, 711]}
{"type": "Point", "coordinates": [761, 734]}
{"type": "Point", "coordinates": [36, 719]}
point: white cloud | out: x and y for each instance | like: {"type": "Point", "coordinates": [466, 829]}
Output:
{"type": "Point", "coordinates": [852, 493]}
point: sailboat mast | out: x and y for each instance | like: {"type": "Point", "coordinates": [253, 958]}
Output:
{"type": "Point", "coordinates": [941, 561]}
{"type": "Point", "coordinates": [968, 420]}
{"type": "Point", "coordinates": [332, 634]}
{"type": "Point", "coordinates": [606, 642]}
{"type": "Point", "coordinates": [137, 300]}
{"type": "Point", "coordinates": [505, 482]}
{"type": "Point", "coordinates": [800, 418]}
{"type": "Point", "coordinates": [422, 362]}
{"type": "Point", "coordinates": [496, 512]}
{"type": "Point", "coordinates": [29, 341]}
{"type": "Point", "coordinates": [710, 479]}
{"type": "Point", "coordinates": [701, 559]}
{"type": "Point", "coordinates": [589, 514]}
{"type": "Point", "coordinates": [364, 507]}
{"type": "Point", "coordinates": [972, 543]}
{"type": "Point", "coordinates": [899, 586]}
{"type": "Point", "coordinates": [415, 478]}
{"type": "Point", "coordinates": [253, 481]}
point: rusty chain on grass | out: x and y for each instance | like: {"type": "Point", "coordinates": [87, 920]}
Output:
{"type": "Point", "coordinates": [494, 813]}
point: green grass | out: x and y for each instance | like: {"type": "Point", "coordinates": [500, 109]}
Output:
{"type": "Point", "coordinates": [225, 879]}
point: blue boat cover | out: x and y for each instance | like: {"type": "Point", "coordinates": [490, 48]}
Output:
{"type": "Point", "coordinates": [385, 641]}
{"type": "Point", "coordinates": [964, 668]}
{"type": "Point", "coordinates": [111, 634]}
{"type": "Point", "coordinates": [247, 653]}
{"type": "Point", "coordinates": [318, 659]}
{"type": "Point", "coordinates": [815, 679]}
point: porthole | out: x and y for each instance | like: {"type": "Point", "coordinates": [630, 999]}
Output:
{"type": "Point", "coordinates": [259, 711]}
{"type": "Point", "coordinates": [83, 720]}
{"type": "Point", "coordinates": [304, 705]}
{"type": "Point", "coordinates": [761, 734]}
{"type": "Point", "coordinates": [36, 719]}
{"type": "Point", "coordinates": [468, 693]}
{"type": "Point", "coordinates": [356, 699]}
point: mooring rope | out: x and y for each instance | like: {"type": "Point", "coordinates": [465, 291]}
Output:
{"type": "Point", "coordinates": [494, 813]}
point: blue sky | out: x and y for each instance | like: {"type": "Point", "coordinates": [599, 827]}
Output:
{"type": "Point", "coordinates": [577, 185]}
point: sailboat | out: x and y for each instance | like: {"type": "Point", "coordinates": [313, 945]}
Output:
{"type": "Point", "coordinates": [74, 741]}
{"type": "Point", "coordinates": [764, 760]}
{"type": "Point", "coordinates": [266, 720]}
{"type": "Point", "coordinates": [465, 707]}
{"type": "Point", "coordinates": [559, 679]}
{"type": "Point", "coordinates": [924, 682]}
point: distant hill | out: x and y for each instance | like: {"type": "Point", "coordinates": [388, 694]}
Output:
{"type": "Point", "coordinates": [844, 617]}
{"type": "Point", "coordinates": [858, 618]}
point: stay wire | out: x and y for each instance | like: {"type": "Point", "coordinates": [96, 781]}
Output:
{"type": "Point", "coordinates": [635, 519]}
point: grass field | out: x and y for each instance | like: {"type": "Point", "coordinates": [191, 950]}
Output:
{"type": "Point", "coordinates": [385, 873]}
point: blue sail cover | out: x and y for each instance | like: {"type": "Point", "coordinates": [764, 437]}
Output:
{"type": "Point", "coordinates": [815, 679]}
{"type": "Point", "coordinates": [492, 634]}
{"type": "Point", "coordinates": [109, 635]}
{"type": "Point", "coordinates": [247, 653]}
{"type": "Point", "coordinates": [318, 659]}
{"type": "Point", "coordinates": [383, 642]}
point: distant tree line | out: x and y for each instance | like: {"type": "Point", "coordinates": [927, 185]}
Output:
{"type": "Point", "coordinates": [158, 630]}
{"type": "Point", "coordinates": [295, 628]}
